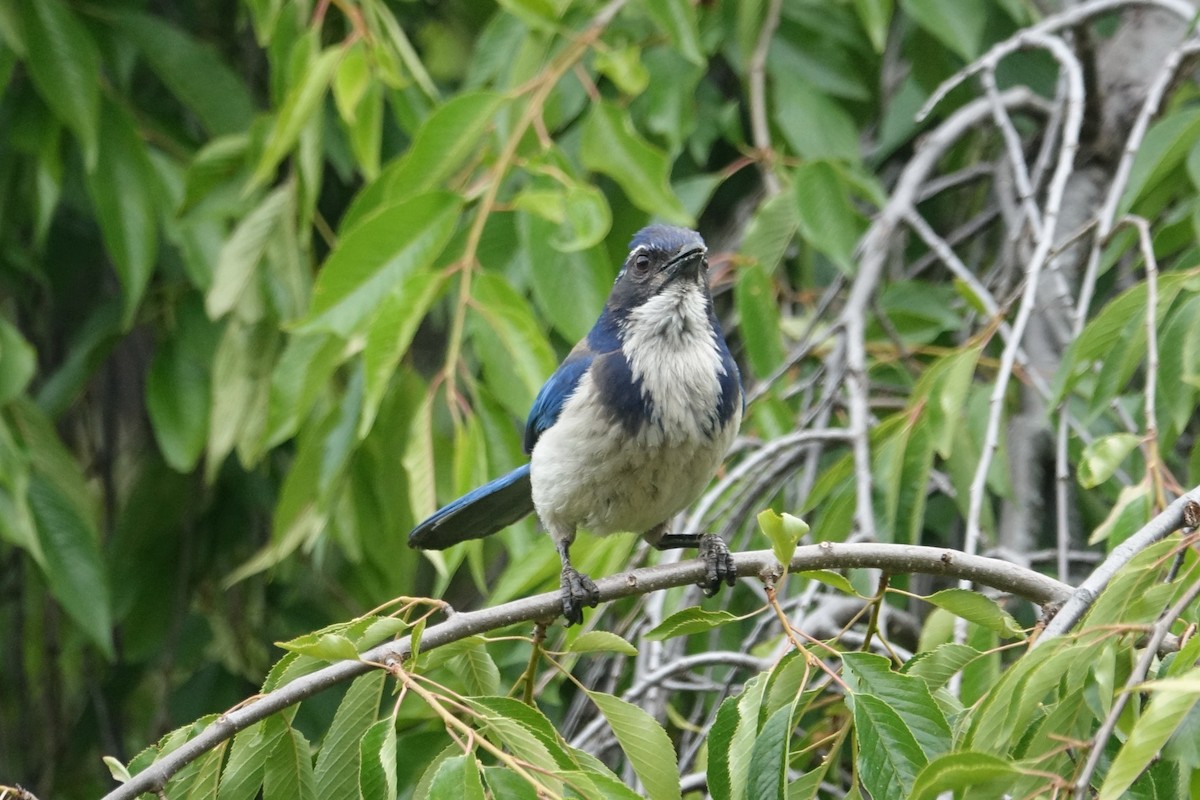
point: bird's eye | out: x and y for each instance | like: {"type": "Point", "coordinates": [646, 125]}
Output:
{"type": "Point", "coordinates": [641, 263]}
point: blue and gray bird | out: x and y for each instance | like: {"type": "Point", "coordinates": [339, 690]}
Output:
{"type": "Point", "coordinates": [631, 427]}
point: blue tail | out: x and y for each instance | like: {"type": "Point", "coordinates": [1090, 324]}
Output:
{"type": "Point", "coordinates": [479, 513]}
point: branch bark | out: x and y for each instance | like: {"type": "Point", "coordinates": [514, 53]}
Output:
{"type": "Point", "coordinates": [894, 558]}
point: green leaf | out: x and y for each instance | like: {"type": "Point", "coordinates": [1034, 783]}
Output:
{"type": "Point", "coordinates": [889, 758]}
{"type": "Point", "coordinates": [678, 19]}
{"type": "Point", "coordinates": [835, 580]}
{"type": "Point", "coordinates": [569, 288]}
{"type": "Point", "coordinates": [876, 18]}
{"type": "Point", "coordinates": [758, 315]}
{"type": "Point", "coordinates": [192, 70]}
{"type": "Point", "coordinates": [336, 772]}
{"type": "Point", "coordinates": [976, 608]}
{"type": "Point", "coordinates": [644, 743]}
{"type": "Point", "coordinates": [241, 390]}
{"type": "Point", "coordinates": [64, 63]}
{"type": "Point", "coordinates": [769, 758]}
{"type": "Point", "coordinates": [457, 778]}
{"type": "Point", "coordinates": [601, 642]}
{"type": "Point", "coordinates": [375, 256]}
{"type": "Point", "coordinates": [828, 221]}
{"type": "Point", "coordinates": [123, 190]}
{"type": "Point", "coordinates": [300, 376]}
{"type": "Point", "coordinates": [237, 264]}
{"type": "Point", "coordinates": [734, 748]}
{"type": "Point", "coordinates": [958, 24]}
{"type": "Point", "coordinates": [511, 342]}
{"type": "Point", "coordinates": [390, 335]}
{"type": "Point", "coordinates": [1102, 457]}
{"type": "Point", "coordinates": [302, 102]}
{"type": "Point", "coordinates": [623, 66]}
{"type": "Point", "coordinates": [288, 774]}
{"type": "Point", "coordinates": [612, 147]}
{"type": "Point", "coordinates": [179, 389]}
{"type": "Point", "coordinates": [243, 774]}
{"type": "Point", "coordinates": [1163, 152]}
{"type": "Point", "coordinates": [686, 621]}
{"type": "Point", "coordinates": [985, 774]}
{"type": "Point", "coordinates": [442, 144]}
{"type": "Point", "coordinates": [1169, 706]}
{"type": "Point", "coordinates": [116, 769]}
{"type": "Point", "coordinates": [329, 647]}
{"type": "Point", "coordinates": [18, 361]}
{"type": "Point", "coordinates": [784, 531]}
{"type": "Point", "coordinates": [377, 756]}
{"type": "Point", "coordinates": [74, 568]}
{"type": "Point", "coordinates": [478, 670]}
{"type": "Point", "coordinates": [936, 667]}
{"type": "Point", "coordinates": [796, 104]}
{"type": "Point", "coordinates": [909, 697]}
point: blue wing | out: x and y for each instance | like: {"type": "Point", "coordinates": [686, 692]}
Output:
{"type": "Point", "coordinates": [555, 393]}
{"type": "Point", "coordinates": [562, 384]}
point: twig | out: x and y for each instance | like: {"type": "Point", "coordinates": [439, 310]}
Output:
{"type": "Point", "coordinates": [1170, 520]}
{"type": "Point", "coordinates": [1161, 628]}
{"type": "Point", "coordinates": [760, 132]}
{"type": "Point", "coordinates": [896, 559]}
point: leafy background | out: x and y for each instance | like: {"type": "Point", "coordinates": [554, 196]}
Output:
{"type": "Point", "coordinates": [280, 276]}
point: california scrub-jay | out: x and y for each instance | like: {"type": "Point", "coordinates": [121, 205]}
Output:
{"type": "Point", "coordinates": [630, 428]}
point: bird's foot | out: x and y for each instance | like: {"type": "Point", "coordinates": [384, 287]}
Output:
{"type": "Point", "coordinates": [718, 564]}
{"type": "Point", "coordinates": [578, 590]}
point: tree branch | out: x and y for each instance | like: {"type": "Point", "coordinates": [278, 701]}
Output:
{"type": "Point", "coordinates": [1170, 520]}
{"type": "Point", "coordinates": [894, 558]}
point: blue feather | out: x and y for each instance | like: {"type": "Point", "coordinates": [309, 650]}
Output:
{"type": "Point", "coordinates": [603, 338]}
{"type": "Point", "coordinates": [477, 513]}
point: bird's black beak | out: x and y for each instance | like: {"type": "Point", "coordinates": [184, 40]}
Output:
{"type": "Point", "coordinates": [689, 263]}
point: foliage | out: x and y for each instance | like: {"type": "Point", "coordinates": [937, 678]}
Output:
{"type": "Point", "coordinates": [280, 276]}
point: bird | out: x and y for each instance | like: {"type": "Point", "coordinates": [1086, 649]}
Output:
{"type": "Point", "coordinates": [630, 428]}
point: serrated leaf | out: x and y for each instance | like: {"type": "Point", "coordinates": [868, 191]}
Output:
{"type": "Point", "coordinates": [377, 755]}
{"type": "Point", "coordinates": [889, 757]}
{"type": "Point", "coordinates": [689, 620]}
{"type": "Point", "coordinates": [976, 608]}
{"type": "Point", "coordinates": [336, 771]}
{"type": "Point", "coordinates": [457, 778]}
{"type": "Point", "coordinates": [612, 147]}
{"type": "Point", "coordinates": [907, 696]}
{"type": "Point", "coordinates": [385, 249]}
{"type": "Point", "coordinates": [288, 774]}
{"type": "Point", "coordinates": [601, 642]}
{"type": "Point", "coordinates": [937, 666]}
{"type": "Point", "coordinates": [476, 667]}
{"type": "Point", "coordinates": [769, 758]}
{"type": "Point", "coordinates": [644, 743]}
{"type": "Point", "coordinates": [1169, 705]}
{"type": "Point", "coordinates": [1103, 456]}
{"type": "Point", "coordinates": [987, 775]}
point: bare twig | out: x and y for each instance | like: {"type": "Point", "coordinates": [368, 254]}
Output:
{"type": "Point", "coordinates": [760, 132]}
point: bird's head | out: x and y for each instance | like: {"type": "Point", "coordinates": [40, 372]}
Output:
{"type": "Point", "coordinates": [661, 258]}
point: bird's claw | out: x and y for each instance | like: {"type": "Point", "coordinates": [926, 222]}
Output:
{"type": "Point", "coordinates": [578, 590]}
{"type": "Point", "coordinates": [718, 564]}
